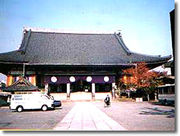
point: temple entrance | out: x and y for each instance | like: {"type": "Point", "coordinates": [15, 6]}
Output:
{"type": "Point", "coordinates": [102, 90]}
{"type": "Point", "coordinates": [103, 87]}
{"type": "Point", "coordinates": [80, 86]}
{"type": "Point", "coordinates": [58, 91]}
{"type": "Point", "coordinates": [54, 88]}
{"type": "Point", "coordinates": [80, 90]}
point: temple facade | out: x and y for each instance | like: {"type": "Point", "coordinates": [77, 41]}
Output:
{"type": "Point", "coordinates": [65, 63]}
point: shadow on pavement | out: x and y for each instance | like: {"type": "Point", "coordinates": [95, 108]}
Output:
{"type": "Point", "coordinates": [157, 111]}
{"type": "Point", "coordinates": [164, 103]}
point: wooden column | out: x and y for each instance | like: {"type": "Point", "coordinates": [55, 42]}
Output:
{"type": "Point", "coordinates": [113, 89]}
{"type": "Point", "coordinates": [93, 90]}
{"type": "Point", "coordinates": [156, 95]}
{"type": "Point", "coordinates": [17, 78]}
{"type": "Point", "coordinates": [46, 88]}
{"type": "Point", "coordinates": [9, 80]}
{"type": "Point", "coordinates": [68, 89]}
{"type": "Point", "coordinates": [32, 79]}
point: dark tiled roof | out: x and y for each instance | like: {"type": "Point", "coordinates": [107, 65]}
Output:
{"type": "Point", "coordinates": [21, 85]}
{"type": "Point", "coordinates": [50, 48]}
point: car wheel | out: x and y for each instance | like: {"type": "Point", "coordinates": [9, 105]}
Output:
{"type": "Point", "coordinates": [19, 109]}
{"type": "Point", "coordinates": [44, 108]}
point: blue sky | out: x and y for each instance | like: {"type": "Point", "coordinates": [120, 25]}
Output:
{"type": "Point", "coordinates": [144, 24]}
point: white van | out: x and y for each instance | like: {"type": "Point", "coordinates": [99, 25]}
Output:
{"type": "Point", "coordinates": [20, 102]}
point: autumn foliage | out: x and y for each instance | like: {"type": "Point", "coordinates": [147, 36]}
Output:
{"type": "Point", "coordinates": [139, 77]}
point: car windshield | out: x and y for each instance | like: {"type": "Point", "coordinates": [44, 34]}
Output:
{"type": "Point", "coordinates": [46, 97]}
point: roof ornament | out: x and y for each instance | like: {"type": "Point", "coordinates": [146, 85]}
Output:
{"type": "Point", "coordinates": [119, 33]}
{"type": "Point", "coordinates": [121, 42]}
{"type": "Point", "coordinates": [24, 31]}
{"type": "Point", "coordinates": [25, 42]}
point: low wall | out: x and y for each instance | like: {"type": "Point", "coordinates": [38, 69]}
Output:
{"type": "Point", "coordinates": [59, 96]}
{"type": "Point", "coordinates": [81, 96]}
{"type": "Point", "coordinates": [102, 96]}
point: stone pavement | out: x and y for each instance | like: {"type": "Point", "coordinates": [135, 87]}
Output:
{"type": "Point", "coordinates": [86, 116]}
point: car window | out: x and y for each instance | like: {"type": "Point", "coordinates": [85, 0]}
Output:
{"type": "Point", "coordinates": [45, 97]}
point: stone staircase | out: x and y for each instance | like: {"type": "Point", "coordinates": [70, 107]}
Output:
{"type": "Point", "coordinates": [80, 96]}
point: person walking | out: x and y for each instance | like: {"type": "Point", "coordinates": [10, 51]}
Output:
{"type": "Point", "coordinates": [107, 101]}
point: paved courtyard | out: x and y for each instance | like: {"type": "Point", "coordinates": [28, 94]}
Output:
{"type": "Point", "coordinates": [33, 120]}
{"type": "Point", "coordinates": [86, 116]}
{"type": "Point", "coordinates": [92, 115]}
{"type": "Point", "coordinates": [141, 116]}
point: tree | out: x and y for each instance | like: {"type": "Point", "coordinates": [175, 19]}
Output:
{"type": "Point", "coordinates": [140, 77]}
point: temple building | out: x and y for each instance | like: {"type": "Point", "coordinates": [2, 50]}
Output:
{"type": "Point", "coordinates": [21, 86]}
{"type": "Point", "coordinates": [67, 63]}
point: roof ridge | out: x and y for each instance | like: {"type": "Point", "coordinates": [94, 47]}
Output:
{"type": "Point", "coordinates": [63, 31]}
{"type": "Point", "coordinates": [73, 33]}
